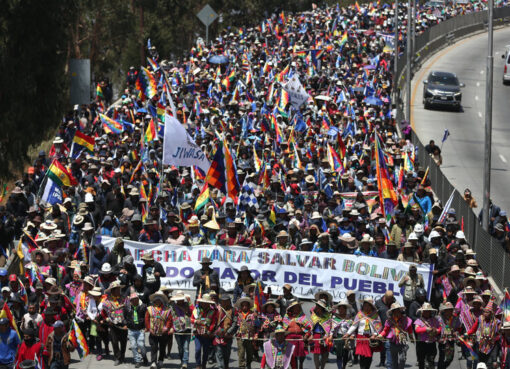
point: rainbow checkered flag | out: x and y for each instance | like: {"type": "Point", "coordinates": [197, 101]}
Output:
{"type": "Point", "coordinates": [78, 340]}
{"type": "Point", "coordinates": [258, 297]}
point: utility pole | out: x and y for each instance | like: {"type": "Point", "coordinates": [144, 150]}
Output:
{"type": "Point", "coordinates": [409, 59]}
{"type": "Point", "coordinates": [395, 51]}
{"type": "Point", "coordinates": [488, 118]}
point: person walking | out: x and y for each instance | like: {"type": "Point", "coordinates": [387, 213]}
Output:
{"type": "Point", "coordinates": [181, 312]}
{"type": "Point", "coordinates": [428, 331]}
{"type": "Point", "coordinates": [366, 325]}
{"type": "Point", "coordinates": [134, 315]}
{"type": "Point", "coordinates": [398, 329]}
{"type": "Point", "coordinates": [112, 311]}
{"type": "Point", "coordinates": [225, 331]}
{"type": "Point", "coordinates": [204, 321]}
{"type": "Point", "coordinates": [158, 323]}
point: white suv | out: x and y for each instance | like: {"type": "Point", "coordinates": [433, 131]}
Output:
{"type": "Point", "coordinates": [506, 70]}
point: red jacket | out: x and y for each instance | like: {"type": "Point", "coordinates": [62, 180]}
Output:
{"type": "Point", "coordinates": [28, 353]}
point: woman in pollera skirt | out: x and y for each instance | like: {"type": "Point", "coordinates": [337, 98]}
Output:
{"type": "Point", "coordinates": [299, 329]}
{"type": "Point", "coordinates": [366, 325]}
{"type": "Point", "coordinates": [321, 329]}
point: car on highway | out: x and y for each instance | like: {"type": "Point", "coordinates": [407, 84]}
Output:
{"type": "Point", "coordinates": [442, 89]}
{"type": "Point", "coordinates": [506, 69]}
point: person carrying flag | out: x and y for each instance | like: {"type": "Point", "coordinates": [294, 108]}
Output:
{"type": "Point", "coordinates": [58, 348]}
{"type": "Point", "coordinates": [9, 342]}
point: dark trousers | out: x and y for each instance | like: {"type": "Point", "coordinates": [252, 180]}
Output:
{"type": "Point", "coordinates": [102, 339]}
{"type": "Point", "coordinates": [442, 362]}
{"type": "Point", "coordinates": [157, 343]}
{"type": "Point", "coordinates": [202, 346]}
{"type": "Point", "coordinates": [223, 355]}
{"type": "Point", "coordinates": [119, 342]}
{"type": "Point", "coordinates": [426, 353]}
{"type": "Point", "coordinates": [365, 362]}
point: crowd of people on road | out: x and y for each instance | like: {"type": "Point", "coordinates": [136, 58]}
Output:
{"type": "Point", "coordinates": [307, 179]}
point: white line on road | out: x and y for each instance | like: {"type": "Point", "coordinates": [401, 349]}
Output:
{"type": "Point", "coordinates": [477, 84]}
{"type": "Point", "coordinates": [481, 72]}
{"type": "Point", "coordinates": [503, 159]}
{"type": "Point", "coordinates": [480, 114]}
{"type": "Point", "coordinates": [476, 97]}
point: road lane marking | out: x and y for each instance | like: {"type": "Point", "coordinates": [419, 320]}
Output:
{"type": "Point", "coordinates": [476, 97]}
{"type": "Point", "coordinates": [481, 72]}
{"type": "Point", "coordinates": [480, 114]}
{"type": "Point", "coordinates": [429, 66]}
{"type": "Point", "coordinates": [503, 159]}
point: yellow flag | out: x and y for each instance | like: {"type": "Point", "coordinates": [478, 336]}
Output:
{"type": "Point", "coordinates": [21, 256]}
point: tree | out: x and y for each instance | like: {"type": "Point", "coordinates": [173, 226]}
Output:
{"type": "Point", "coordinates": [33, 50]}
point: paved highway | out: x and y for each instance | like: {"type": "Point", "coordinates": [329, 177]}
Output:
{"type": "Point", "coordinates": [463, 152]}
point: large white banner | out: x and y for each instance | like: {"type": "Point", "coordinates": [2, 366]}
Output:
{"type": "Point", "coordinates": [180, 149]}
{"type": "Point", "coordinates": [306, 272]}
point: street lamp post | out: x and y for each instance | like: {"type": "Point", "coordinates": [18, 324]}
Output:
{"type": "Point", "coordinates": [409, 59]}
{"type": "Point", "coordinates": [488, 118]}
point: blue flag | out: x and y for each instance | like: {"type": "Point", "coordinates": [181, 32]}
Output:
{"type": "Point", "coordinates": [446, 134]}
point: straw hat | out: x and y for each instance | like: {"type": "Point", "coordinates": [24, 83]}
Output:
{"type": "Point", "coordinates": [87, 227]}
{"type": "Point", "coordinates": [427, 307]}
{"type": "Point", "coordinates": [454, 268]}
{"type": "Point", "coordinates": [96, 292]}
{"type": "Point", "coordinates": [208, 300]}
{"type": "Point", "coordinates": [322, 303]}
{"type": "Point", "coordinates": [368, 300]}
{"type": "Point", "coordinates": [242, 300]}
{"type": "Point", "coordinates": [178, 297]}
{"type": "Point", "coordinates": [446, 306]}
{"type": "Point", "coordinates": [269, 302]}
{"type": "Point", "coordinates": [293, 303]}
{"type": "Point", "coordinates": [148, 256]}
{"type": "Point", "coordinates": [89, 280]}
{"type": "Point", "coordinates": [344, 303]}
{"type": "Point", "coordinates": [158, 295]}
{"type": "Point", "coordinates": [395, 306]}
{"type": "Point", "coordinates": [329, 297]}
{"type": "Point", "coordinates": [114, 284]}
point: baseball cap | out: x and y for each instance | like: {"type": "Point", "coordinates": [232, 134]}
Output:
{"type": "Point", "coordinates": [57, 324]}
{"type": "Point", "coordinates": [13, 278]}
{"type": "Point", "coordinates": [3, 272]}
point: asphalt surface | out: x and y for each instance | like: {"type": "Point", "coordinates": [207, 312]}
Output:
{"type": "Point", "coordinates": [107, 363]}
{"type": "Point", "coordinates": [463, 152]}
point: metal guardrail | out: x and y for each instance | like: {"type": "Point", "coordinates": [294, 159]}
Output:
{"type": "Point", "coordinates": [491, 254]}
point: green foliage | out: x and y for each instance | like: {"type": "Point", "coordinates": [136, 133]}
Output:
{"type": "Point", "coordinates": [37, 38]}
{"type": "Point", "coordinates": [33, 52]}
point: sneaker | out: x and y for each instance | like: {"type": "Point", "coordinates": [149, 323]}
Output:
{"type": "Point", "coordinates": [138, 364]}
{"type": "Point", "coordinates": [153, 366]}
{"type": "Point", "coordinates": [99, 357]}
{"type": "Point", "coordinates": [116, 363]}
{"type": "Point", "coordinates": [184, 366]}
